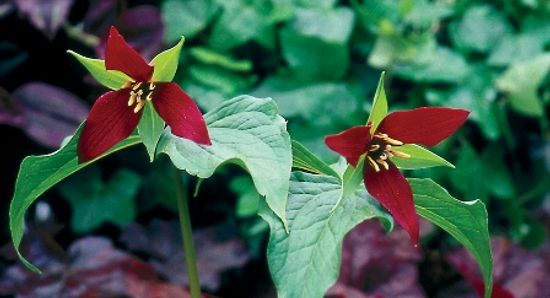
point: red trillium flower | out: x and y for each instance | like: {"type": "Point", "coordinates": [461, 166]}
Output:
{"type": "Point", "coordinates": [116, 114]}
{"type": "Point", "coordinates": [425, 126]}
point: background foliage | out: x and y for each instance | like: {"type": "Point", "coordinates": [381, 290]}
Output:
{"type": "Point", "coordinates": [320, 61]}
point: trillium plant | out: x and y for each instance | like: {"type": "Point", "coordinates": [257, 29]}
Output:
{"type": "Point", "coordinates": [310, 205]}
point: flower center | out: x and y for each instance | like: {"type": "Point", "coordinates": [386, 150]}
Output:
{"type": "Point", "coordinates": [381, 148]}
{"type": "Point", "coordinates": [140, 93]}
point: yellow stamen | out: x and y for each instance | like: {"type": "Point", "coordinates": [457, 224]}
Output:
{"type": "Point", "coordinates": [132, 98]}
{"type": "Point", "coordinates": [383, 163]}
{"type": "Point", "coordinates": [374, 147]}
{"type": "Point", "coordinates": [139, 106]}
{"type": "Point", "coordinates": [373, 164]}
{"type": "Point", "coordinates": [393, 142]}
{"type": "Point", "coordinates": [152, 86]}
{"type": "Point", "coordinates": [136, 86]}
{"type": "Point", "coordinates": [149, 96]}
{"type": "Point", "coordinates": [383, 156]}
{"type": "Point", "coordinates": [400, 154]}
{"type": "Point", "coordinates": [388, 147]}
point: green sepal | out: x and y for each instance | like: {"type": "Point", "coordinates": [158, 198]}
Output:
{"type": "Point", "coordinates": [420, 158]}
{"type": "Point", "coordinates": [379, 108]}
{"type": "Point", "coordinates": [150, 129]}
{"type": "Point", "coordinates": [112, 79]}
{"type": "Point", "coordinates": [166, 63]}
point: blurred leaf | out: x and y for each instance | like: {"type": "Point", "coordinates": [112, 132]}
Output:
{"type": "Point", "coordinates": [420, 158]}
{"type": "Point", "coordinates": [466, 221]}
{"type": "Point", "coordinates": [208, 56]}
{"type": "Point", "coordinates": [521, 81]}
{"type": "Point", "coordinates": [187, 18]}
{"type": "Point", "coordinates": [305, 261]}
{"type": "Point", "coordinates": [159, 189]}
{"type": "Point", "coordinates": [37, 174]}
{"type": "Point", "coordinates": [166, 63]}
{"type": "Point", "coordinates": [480, 29]}
{"type": "Point", "coordinates": [248, 202]}
{"type": "Point", "coordinates": [150, 128]}
{"type": "Point", "coordinates": [240, 23]}
{"type": "Point", "coordinates": [321, 104]}
{"type": "Point", "coordinates": [45, 15]}
{"type": "Point", "coordinates": [94, 202]}
{"type": "Point", "coordinates": [112, 79]}
{"type": "Point", "coordinates": [48, 114]}
{"type": "Point", "coordinates": [140, 25]}
{"type": "Point", "coordinates": [314, 35]}
{"type": "Point", "coordinates": [304, 159]}
{"type": "Point", "coordinates": [11, 56]}
{"type": "Point", "coordinates": [245, 130]}
{"type": "Point", "coordinates": [93, 268]}
{"type": "Point", "coordinates": [218, 250]}
{"type": "Point", "coordinates": [516, 48]}
{"type": "Point", "coordinates": [227, 82]}
{"type": "Point", "coordinates": [379, 108]}
{"type": "Point", "coordinates": [392, 49]}
{"type": "Point", "coordinates": [378, 264]}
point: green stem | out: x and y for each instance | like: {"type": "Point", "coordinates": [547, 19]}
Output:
{"type": "Point", "coordinates": [187, 236]}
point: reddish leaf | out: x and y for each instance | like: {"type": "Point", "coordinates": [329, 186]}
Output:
{"type": "Point", "coordinates": [425, 126]}
{"type": "Point", "coordinates": [110, 121]}
{"type": "Point", "coordinates": [46, 15]}
{"type": "Point", "coordinates": [350, 143]}
{"type": "Point", "coordinates": [120, 56]}
{"type": "Point", "coordinates": [180, 113]}
{"type": "Point", "coordinates": [390, 188]}
{"type": "Point", "coordinates": [376, 264]}
{"type": "Point", "coordinates": [46, 113]}
{"type": "Point", "coordinates": [216, 251]}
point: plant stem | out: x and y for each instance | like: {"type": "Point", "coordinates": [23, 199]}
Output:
{"type": "Point", "coordinates": [187, 236]}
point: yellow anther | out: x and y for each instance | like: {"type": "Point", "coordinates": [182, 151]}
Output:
{"type": "Point", "coordinates": [393, 141]}
{"type": "Point", "coordinates": [137, 85]}
{"type": "Point", "coordinates": [149, 96]}
{"type": "Point", "coordinates": [132, 98]}
{"type": "Point", "coordinates": [400, 154]}
{"type": "Point", "coordinates": [152, 86]}
{"type": "Point", "coordinates": [139, 106]}
{"type": "Point", "coordinates": [388, 147]}
{"type": "Point", "coordinates": [373, 164]}
{"type": "Point", "coordinates": [374, 147]}
{"type": "Point", "coordinates": [382, 136]}
{"type": "Point", "coordinates": [383, 156]}
{"type": "Point", "coordinates": [383, 163]}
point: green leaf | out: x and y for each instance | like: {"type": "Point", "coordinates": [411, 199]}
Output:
{"type": "Point", "coordinates": [379, 108]}
{"type": "Point", "coordinates": [150, 129]}
{"type": "Point", "coordinates": [112, 79]}
{"type": "Point", "coordinates": [480, 29]}
{"type": "Point", "coordinates": [304, 159]}
{"type": "Point", "coordinates": [186, 17]}
{"type": "Point", "coordinates": [208, 56]}
{"type": "Point", "coordinates": [521, 81]}
{"type": "Point", "coordinates": [312, 37]}
{"type": "Point", "coordinates": [166, 63]}
{"type": "Point", "coordinates": [306, 261]}
{"type": "Point", "coordinates": [245, 130]}
{"type": "Point", "coordinates": [37, 174]}
{"type": "Point", "coordinates": [465, 221]}
{"type": "Point", "coordinates": [420, 158]}
{"type": "Point", "coordinates": [248, 202]}
{"type": "Point", "coordinates": [94, 202]}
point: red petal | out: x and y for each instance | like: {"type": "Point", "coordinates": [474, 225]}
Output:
{"type": "Point", "coordinates": [390, 188]}
{"type": "Point", "coordinates": [181, 113]}
{"type": "Point", "coordinates": [120, 56]}
{"type": "Point", "coordinates": [426, 126]}
{"type": "Point", "coordinates": [109, 122]}
{"type": "Point", "coordinates": [350, 143]}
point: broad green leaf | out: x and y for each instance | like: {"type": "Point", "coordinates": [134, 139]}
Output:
{"type": "Point", "coordinates": [186, 17]}
{"type": "Point", "coordinates": [227, 82]}
{"type": "Point", "coordinates": [306, 261]}
{"type": "Point", "coordinates": [480, 29]}
{"type": "Point", "coordinates": [166, 63]}
{"type": "Point", "coordinates": [111, 79]}
{"type": "Point", "coordinates": [94, 202]}
{"type": "Point", "coordinates": [304, 159]}
{"type": "Point", "coordinates": [467, 222]}
{"type": "Point", "coordinates": [521, 81]}
{"type": "Point", "coordinates": [150, 129]}
{"type": "Point", "coordinates": [312, 37]}
{"type": "Point", "coordinates": [208, 56]}
{"type": "Point", "coordinates": [245, 130]}
{"type": "Point", "coordinates": [37, 174]}
{"type": "Point", "coordinates": [420, 158]}
{"type": "Point", "coordinates": [379, 108]}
